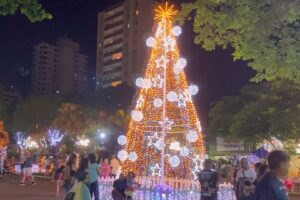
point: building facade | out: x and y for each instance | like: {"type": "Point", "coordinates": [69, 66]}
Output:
{"type": "Point", "coordinates": [121, 49]}
{"type": "Point", "coordinates": [59, 68]}
{"type": "Point", "coordinates": [9, 95]}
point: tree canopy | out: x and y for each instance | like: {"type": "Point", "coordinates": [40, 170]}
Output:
{"type": "Point", "coordinates": [32, 9]}
{"type": "Point", "coordinates": [265, 33]}
{"type": "Point", "coordinates": [270, 109]}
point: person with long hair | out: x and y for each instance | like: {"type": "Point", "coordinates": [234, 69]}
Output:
{"type": "Point", "coordinates": [69, 172]}
{"type": "Point", "coordinates": [94, 173]}
{"type": "Point", "coordinates": [81, 190]}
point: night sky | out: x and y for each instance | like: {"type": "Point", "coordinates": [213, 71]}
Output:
{"type": "Point", "coordinates": [215, 73]}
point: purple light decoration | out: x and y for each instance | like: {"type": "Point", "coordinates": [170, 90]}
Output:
{"type": "Point", "coordinates": [55, 137]}
{"type": "Point", "coordinates": [20, 139]}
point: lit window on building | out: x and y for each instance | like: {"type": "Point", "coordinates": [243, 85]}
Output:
{"type": "Point", "coordinates": [137, 12]}
{"type": "Point", "coordinates": [117, 56]}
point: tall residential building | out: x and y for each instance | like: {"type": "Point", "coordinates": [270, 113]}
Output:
{"type": "Point", "coordinates": [121, 49]}
{"type": "Point", "coordinates": [9, 95]}
{"type": "Point", "coordinates": [59, 68]}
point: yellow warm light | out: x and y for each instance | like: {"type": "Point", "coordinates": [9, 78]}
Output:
{"type": "Point", "coordinates": [137, 131]}
{"type": "Point", "coordinates": [165, 11]}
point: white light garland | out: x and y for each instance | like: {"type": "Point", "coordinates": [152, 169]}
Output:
{"type": "Point", "coordinates": [157, 102]}
{"type": "Point", "coordinates": [193, 89]}
{"type": "Point", "coordinates": [122, 155]}
{"type": "Point", "coordinates": [137, 115]}
{"type": "Point", "coordinates": [122, 140]}
{"type": "Point", "coordinates": [150, 42]}
{"type": "Point", "coordinates": [172, 96]}
{"type": "Point", "coordinates": [192, 136]}
{"type": "Point", "coordinates": [176, 31]}
{"type": "Point", "coordinates": [174, 161]}
{"type": "Point", "coordinates": [184, 151]}
{"type": "Point", "coordinates": [139, 82]}
{"type": "Point", "coordinates": [132, 156]}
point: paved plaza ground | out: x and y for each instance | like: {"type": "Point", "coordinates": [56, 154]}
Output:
{"type": "Point", "coordinates": [44, 190]}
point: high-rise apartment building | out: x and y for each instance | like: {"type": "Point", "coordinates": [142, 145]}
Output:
{"type": "Point", "coordinates": [59, 68]}
{"type": "Point", "coordinates": [121, 49]}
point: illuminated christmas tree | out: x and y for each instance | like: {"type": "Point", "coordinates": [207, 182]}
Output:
{"type": "Point", "coordinates": [164, 136]}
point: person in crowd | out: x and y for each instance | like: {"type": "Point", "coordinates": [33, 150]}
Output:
{"type": "Point", "coordinates": [1, 164]}
{"type": "Point", "coordinates": [130, 186]}
{"type": "Point", "coordinates": [115, 165]}
{"type": "Point", "coordinates": [105, 168]}
{"type": "Point", "coordinates": [81, 190]}
{"type": "Point", "coordinates": [58, 175]}
{"type": "Point", "coordinates": [245, 178]}
{"type": "Point", "coordinates": [27, 170]}
{"type": "Point", "coordinates": [93, 173]}
{"type": "Point", "coordinates": [119, 187]}
{"type": "Point", "coordinates": [261, 169]}
{"type": "Point", "coordinates": [69, 172]}
{"type": "Point", "coordinates": [270, 186]}
{"type": "Point", "coordinates": [47, 165]}
{"type": "Point", "coordinates": [209, 181]}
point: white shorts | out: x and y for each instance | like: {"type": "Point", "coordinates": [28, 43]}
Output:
{"type": "Point", "coordinates": [27, 172]}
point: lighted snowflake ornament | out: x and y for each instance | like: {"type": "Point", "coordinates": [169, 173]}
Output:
{"type": "Point", "coordinates": [122, 155]}
{"type": "Point", "coordinates": [172, 96]}
{"type": "Point", "coordinates": [122, 140]}
{"type": "Point", "coordinates": [157, 102]}
{"type": "Point", "coordinates": [184, 151]}
{"type": "Point", "coordinates": [180, 65]}
{"type": "Point", "coordinates": [137, 115]}
{"type": "Point", "coordinates": [139, 82]}
{"type": "Point", "coordinates": [193, 89]}
{"type": "Point", "coordinates": [192, 136]}
{"type": "Point", "coordinates": [176, 31]}
{"type": "Point", "coordinates": [132, 156]}
{"type": "Point", "coordinates": [174, 161]}
{"type": "Point", "coordinates": [150, 42]}
{"type": "Point", "coordinates": [159, 144]}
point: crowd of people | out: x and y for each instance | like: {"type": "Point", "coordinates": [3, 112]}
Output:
{"type": "Point", "coordinates": [78, 176]}
{"type": "Point", "coordinates": [262, 181]}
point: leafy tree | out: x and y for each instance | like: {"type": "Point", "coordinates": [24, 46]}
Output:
{"type": "Point", "coordinates": [265, 33]}
{"type": "Point", "coordinates": [259, 113]}
{"type": "Point", "coordinates": [35, 113]}
{"type": "Point", "coordinates": [70, 118]}
{"type": "Point", "coordinates": [32, 9]}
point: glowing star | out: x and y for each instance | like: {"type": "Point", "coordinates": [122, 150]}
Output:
{"type": "Point", "coordinates": [140, 102]}
{"type": "Point", "coordinates": [193, 89]}
{"type": "Point", "coordinates": [184, 151]}
{"type": "Point", "coordinates": [147, 83]}
{"type": "Point", "coordinates": [122, 140]}
{"type": "Point", "coordinates": [176, 30]}
{"type": "Point", "coordinates": [181, 100]}
{"type": "Point", "coordinates": [161, 62]}
{"type": "Point", "coordinates": [165, 12]}
{"type": "Point", "coordinates": [157, 82]}
{"type": "Point", "coordinates": [152, 139]}
{"type": "Point", "coordinates": [122, 155]}
{"type": "Point", "coordinates": [169, 44]}
{"type": "Point", "coordinates": [139, 82]}
{"type": "Point", "coordinates": [172, 96]}
{"type": "Point", "coordinates": [157, 103]}
{"type": "Point", "coordinates": [137, 115]}
{"type": "Point", "coordinates": [198, 162]}
{"type": "Point", "coordinates": [132, 156]}
{"type": "Point", "coordinates": [168, 123]}
{"type": "Point", "coordinates": [192, 136]}
{"type": "Point", "coordinates": [174, 161]}
{"type": "Point", "coordinates": [150, 42]}
{"type": "Point", "coordinates": [156, 170]}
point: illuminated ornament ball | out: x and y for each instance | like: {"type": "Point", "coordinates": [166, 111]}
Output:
{"type": "Point", "coordinates": [157, 102]}
{"type": "Point", "coordinates": [150, 42]}
{"type": "Point", "coordinates": [132, 156]}
{"type": "Point", "coordinates": [193, 89]}
{"type": "Point", "coordinates": [137, 115]}
{"type": "Point", "coordinates": [174, 161]}
{"type": "Point", "coordinates": [139, 82]}
{"type": "Point", "coordinates": [181, 63]}
{"type": "Point", "coordinates": [159, 144]}
{"type": "Point", "coordinates": [172, 96]}
{"type": "Point", "coordinates": [122, 155]}
{"type": "Point", "coordinates": [176, 31]}
{"type": "Point", "coordinates": [184, 151]}
{"type": "Point", "coordinates": [147, 84]}
{"type": "Point", "coordinates": [122, 140]}
{"type": "Point", "coordinates": [192, 136]}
